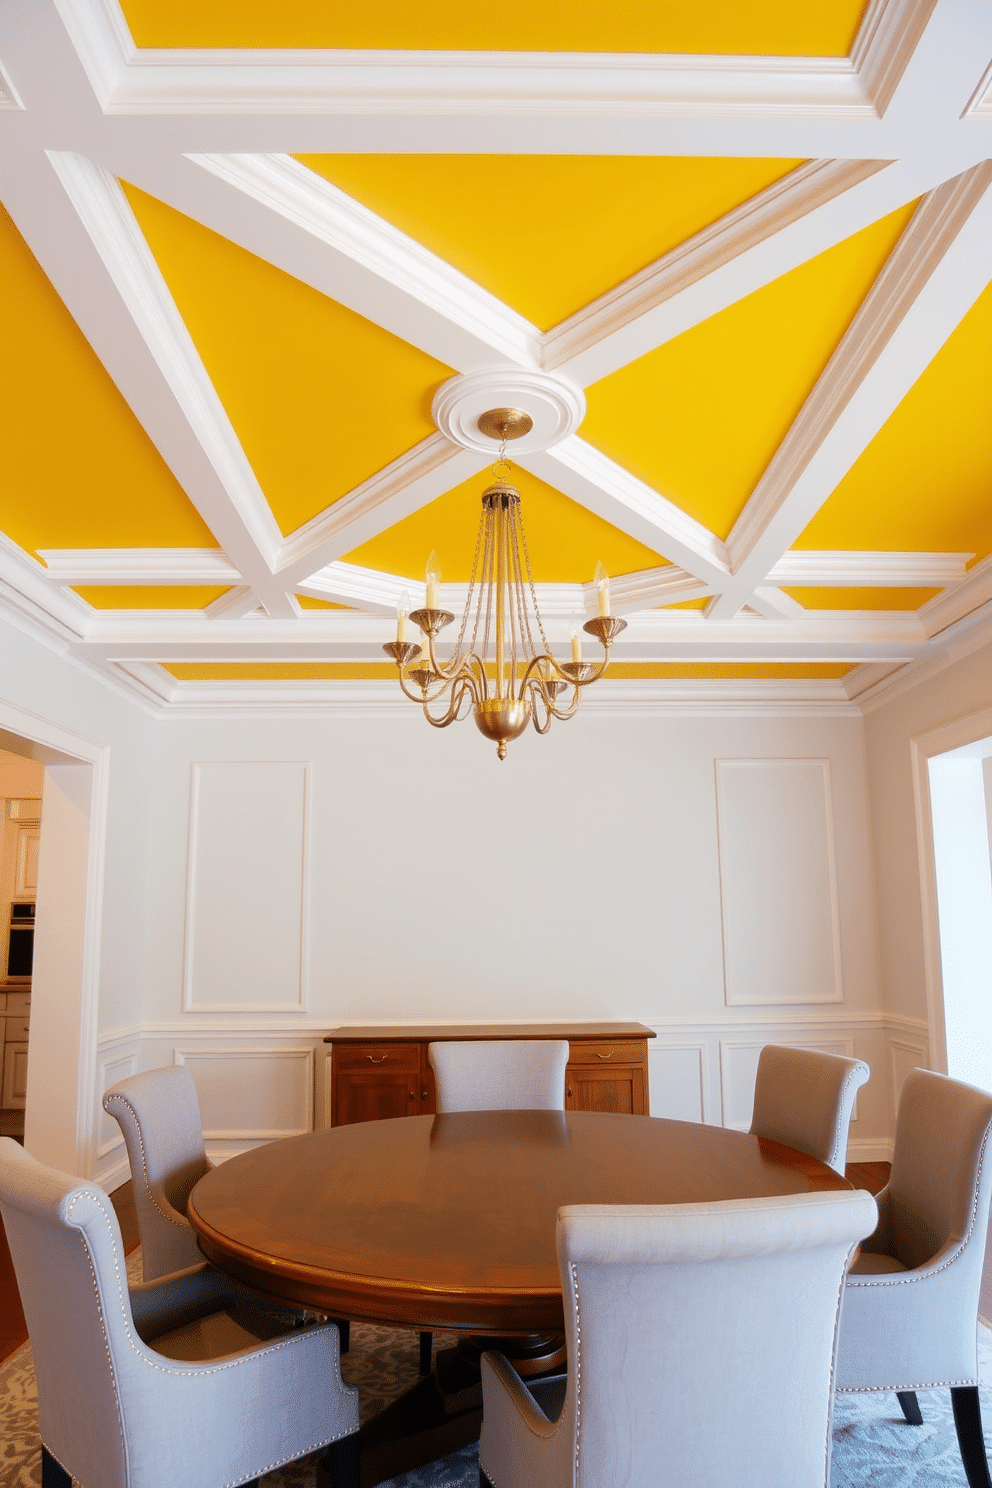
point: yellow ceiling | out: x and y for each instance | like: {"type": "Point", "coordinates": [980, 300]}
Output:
{"type": "Point", "coordinates": [78, 470]}
{"type": "Point", "coordinates": [565, 540]}
{"type": "Point", "coordinates": [318, 671]}
{"type": "Point", "coordinates": [547, 234]}
{"type": "Point", "coordinates": [700, 417]}
{"type": "Point", "coordinates": [319, 397]}
{"type": "Point", "coordinates": [862, 599]}
{"type": "Point", "coordinates": [307, 602]}
{"type": "Point", "coordinates": [150, 596]}
{"type": "Point", "coordinates": [924, 483]}
{"type": "Point", "coordinates": [776, 27]}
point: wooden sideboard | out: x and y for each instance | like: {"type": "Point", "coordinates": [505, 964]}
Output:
{"type": "Point", "coordinates": [383, 1072]}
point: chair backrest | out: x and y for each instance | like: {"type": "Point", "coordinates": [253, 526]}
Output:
{"type": "Point", "coordinates": [500, 1074]}
{"type": "Point", "coordinates": [804, 1099]}
{"type": "Point", "coordinates": [941, 1178]}
{"type": "Point", "coordinates": [69, 1260]}
{"type": "Point", "coordinates": [159, 1115]}
{"type": "Point", "coordinates": [702, 1337]}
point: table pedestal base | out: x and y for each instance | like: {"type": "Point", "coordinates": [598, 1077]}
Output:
{"type": "Point", "coordinates": [443, 1411]}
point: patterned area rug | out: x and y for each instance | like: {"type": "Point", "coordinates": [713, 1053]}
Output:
{"type": "Point", "coordinates": [872, 1444]}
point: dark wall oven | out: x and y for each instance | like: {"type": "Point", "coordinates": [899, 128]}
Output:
{"type": "Point", "coordinates": [20, 941]}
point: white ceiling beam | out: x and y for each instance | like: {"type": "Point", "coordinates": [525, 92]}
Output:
{"type": "Point", "coordinates": [948, 608]}
{"type": "Point", "coordinates": [581, 472]}
{"type": "Point", "coordinates": [935, 273]}
{"type": "Point", "coordinates": [409, 482]}
{"type": "Point", "coordinates": [287, 214]}
{"type": "Point", "coordinates": [131, 566]}
{"type": "Point", "coordinates": [868, 570]}
{"type": "Point", "coordinates": [234, 508]}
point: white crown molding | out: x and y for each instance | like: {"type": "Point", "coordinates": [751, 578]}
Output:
{"type": "Point", "coordinates": [980, 103]}
{"type": "Point", "coordinates": [302, 197]}
{"type": "Point", "coordinates": [962, 639]}
{"type": "Point", "coordinates": [870, 351]}
{"type": "Point", "coordinates": [241, 600]}
{"type": "Point", "coordinates": [58, 614]}
{"type": "Point", "coordinates": [106, 214]}
{"type": "Point", "coordinates": [588, 345]}
{"type": "Point", "coordinates": [127, 80]}
{"type": "Point", "coordinates": [370, 589]}
{"type": "Point", "coordinates": [888, 36]}
{"type": "Point", "coordinates": [409, 482]}
{"type": "Point", "coordinates": [868, 675]}
{"type": "Point", "coordinates": [973, 592]}
{"type": "Point", "coordinates": [9, 100]}
{"type": "Point", "coordinates": [368, 699]}
{"type": "Point", "coordinates": [580, 471]}
{"type": "Point", "coordinates": [138, 566]}
{"type": "Point", "coordinates": [823, 569]}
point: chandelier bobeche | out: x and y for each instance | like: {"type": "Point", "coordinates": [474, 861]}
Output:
{"type": "Point", "coordinates": [500, 675]}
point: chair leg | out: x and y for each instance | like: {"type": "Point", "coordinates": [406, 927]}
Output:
{"type": "Point", "coordinates": [483, 1480]}
{"type": "Point", "coordinates": [971, 1440]}
{"type": "Point", "coordinates": [344, 1462]}
{"type": "Point", "coordinates": [53, 1474]}
{"type": "Point", "coordinates": [910, 1407]}
{"type": "Point", "coordinates": [344, 1328]}
{"type": "Point", "coordinates": [426, 1350]}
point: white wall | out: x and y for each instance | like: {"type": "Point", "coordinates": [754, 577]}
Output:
{"type": "Point", "coordinates": [578, 880]}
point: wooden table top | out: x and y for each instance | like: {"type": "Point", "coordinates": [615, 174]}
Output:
{"type": "Point", "coordinates": [426, 1033]}
{"type": "Point", "coordinates": [449, 1221]}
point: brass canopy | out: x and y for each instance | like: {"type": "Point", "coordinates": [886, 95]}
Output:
{"type": "Point", "coordinates": [505, 423]}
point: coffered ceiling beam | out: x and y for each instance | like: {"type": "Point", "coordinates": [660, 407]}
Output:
{"type": "Point", "coordinates": [868, 570]}
{"type": "Point", "coordinates": [597, 482]}
{"type": "Point", "coordinates": [128, 566]}
{"type": "Point", "coordinates": [933, 276]}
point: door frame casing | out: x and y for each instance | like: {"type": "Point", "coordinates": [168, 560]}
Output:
{"type": "Point", "coordinates": [60, 1114]}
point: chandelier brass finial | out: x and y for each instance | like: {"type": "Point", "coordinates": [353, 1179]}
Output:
{"type": "Point", "coordinates": [500, 675]}
{"type": "Point", "coordinates": [504, 424]}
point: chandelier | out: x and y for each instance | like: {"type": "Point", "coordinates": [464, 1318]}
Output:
{"type": "Point", "coordinates": [499, 675]}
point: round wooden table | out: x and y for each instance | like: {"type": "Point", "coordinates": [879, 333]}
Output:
{"type": "Point", "coordinates": [449, 1221]}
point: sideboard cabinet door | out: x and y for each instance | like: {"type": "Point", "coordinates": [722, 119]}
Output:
{"type": "Point", "coordinates": [607, 1077]}
{"type": "Point", "coordinates": [373, 1082]}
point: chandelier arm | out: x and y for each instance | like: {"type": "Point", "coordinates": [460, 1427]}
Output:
{"type": "Point", "coordinates": [458, 693]}
{"type": "Point", "coordinates": [537, 687]}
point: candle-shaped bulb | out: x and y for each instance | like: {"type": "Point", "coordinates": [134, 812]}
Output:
{"type": "Point", "coordinates": [576, 647]}
{"type": "Point", "coordinates": [603, 585]}
{"type": "Point", "coordinates": [425, 651]}
{"type": "Point", "coordinates": [433, 573]}
{"type": "Point", "coordinates": [402, 612]}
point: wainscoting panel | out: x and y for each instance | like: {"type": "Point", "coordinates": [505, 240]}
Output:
{"type": "Point", "coordinates": [117, 1059]}
{"type": "Point", "coordinates": [677, 1078]}
{"type": "Point", "coordinates": [778, 889]}
{"type": "Point", "coordinates": [251, 1095]}
{"type": "Point", "coordinates": [906, 1053]}
{"type": "Point", "coordinates": [739, 1068]}
{"type": "Point", "coordinates": [246, 901]}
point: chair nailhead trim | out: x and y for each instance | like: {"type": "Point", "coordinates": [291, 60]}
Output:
{"type": "Point", "coordinates": [181, 1224]}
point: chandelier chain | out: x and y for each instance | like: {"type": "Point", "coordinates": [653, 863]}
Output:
{"type": "Point", "coordinates": [533, 592]}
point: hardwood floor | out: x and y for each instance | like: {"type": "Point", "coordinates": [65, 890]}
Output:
{"type": "Point", "coordinates": [13, 1331]}
{"type": "Point", "coordinates": [872, 1176]}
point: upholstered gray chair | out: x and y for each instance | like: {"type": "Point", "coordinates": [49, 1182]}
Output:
{"type": "Point", "coordinates": [172, 1383]}
{"type": "Point", "coordinates": [910, 1315]}
{"type": "Point", "coordinates": [159, 1115]}
{"type": "Point", "coordinates": [701, 1341]}
{"type": "Point", "coordinates": [804, 1099]}
{"type": "Point", "coordinates": [500, 1074]}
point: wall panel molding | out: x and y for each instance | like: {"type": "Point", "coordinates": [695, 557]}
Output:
{"type": "Point", "coordinates": [778, 882]}
{"type": "Point", "coordinates": [247, 887]}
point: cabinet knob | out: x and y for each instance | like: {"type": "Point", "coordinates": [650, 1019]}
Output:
{"type": "Point", "coordinates": [412, 1095]}
{"type": "Point", "coordinates": [423, 1093]}
{"type": "Point", "coordinates": [568, 1091]}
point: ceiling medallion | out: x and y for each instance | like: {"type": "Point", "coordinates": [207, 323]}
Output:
{"type": "Point", "coordinates": [555, 406]}
{"type": "Point", "coordinates": [499, 675]}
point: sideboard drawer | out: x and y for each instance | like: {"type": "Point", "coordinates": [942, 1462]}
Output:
{"type": "Point", "coordinates": [618, 1053]}
{"type": "Point", "coordinates": [377, 1056]}
{"type": "Point", "coordinates": [17, 1030]}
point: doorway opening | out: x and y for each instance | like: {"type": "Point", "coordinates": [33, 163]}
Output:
{"type": "Point", "coordinates": [21, 786]}
{"type": "Point", "coordinates": [961, 809]}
